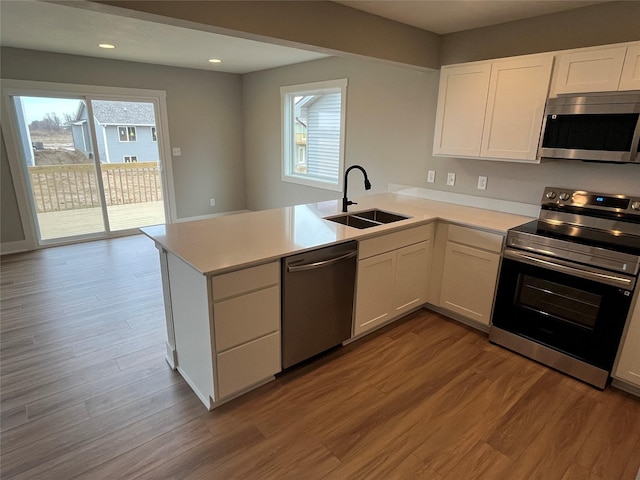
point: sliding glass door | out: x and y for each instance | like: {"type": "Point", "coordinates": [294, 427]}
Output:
{"type": "Point", "coordinates": [91, 165]}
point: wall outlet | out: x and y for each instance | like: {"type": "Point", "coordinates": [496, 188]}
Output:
{"type": "Point", "coordinates": [451, 179]}
{"type": "Point", "coordinates": [431, 176]}
{"type": "Point", "coordinates": [482, 183]}
{"type": "Point", "coordinates": [212, 202]}
{"type": "Point", "coordinates": [176, 152]}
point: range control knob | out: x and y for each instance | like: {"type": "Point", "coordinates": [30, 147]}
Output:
{"type": "Point", "coordinates": [564, 196]}
{"type": "Point", "coordinates": [551, 195]}
{"type": "Point", "coordinates": [635, 206]}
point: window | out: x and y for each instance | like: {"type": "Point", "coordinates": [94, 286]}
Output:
{"type": "Point", "coordinates": [127, 134]}
{"type": "Point", "coordinates": [154, 135]}
{"type": "Point", "coordinates": [313, 133]}
{"type": "Point", "coordinates": [130, 159]}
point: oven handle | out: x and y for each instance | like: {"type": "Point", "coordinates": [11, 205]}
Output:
{"type": "Point", "coordinates": [599, 276]}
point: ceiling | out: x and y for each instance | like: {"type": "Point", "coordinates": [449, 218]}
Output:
{"type": "Point", "coordinates": [449, 16]}
{"type": "Point", "coordinates": [51, 27]}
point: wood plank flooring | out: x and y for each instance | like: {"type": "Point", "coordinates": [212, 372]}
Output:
{"type": "Point", "coordinates": [86, 393]}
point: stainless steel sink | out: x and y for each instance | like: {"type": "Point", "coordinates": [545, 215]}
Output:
{"type": "Point", "coordinates": [367, 218]}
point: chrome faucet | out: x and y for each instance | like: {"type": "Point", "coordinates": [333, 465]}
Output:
{"type": "Point", "coordinates": [367, 186]}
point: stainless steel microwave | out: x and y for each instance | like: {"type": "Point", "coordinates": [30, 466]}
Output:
{"type": "Point", "coordinates": [599, 128]}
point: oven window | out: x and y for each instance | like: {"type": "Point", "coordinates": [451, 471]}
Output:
{"type": "Point", "coordinates": [558, 301]}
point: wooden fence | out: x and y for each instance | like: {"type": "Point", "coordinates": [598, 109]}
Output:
{"type": "Point", "coordinates": [68, 187]}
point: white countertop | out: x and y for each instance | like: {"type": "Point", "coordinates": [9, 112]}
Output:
{"type": "Point", "coordinates": [221, 244]}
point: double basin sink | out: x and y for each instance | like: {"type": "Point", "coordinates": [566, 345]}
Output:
{"type": "Point", "coordinates": [367, 218]}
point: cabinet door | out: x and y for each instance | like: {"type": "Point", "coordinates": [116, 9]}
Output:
{"type": "Point", "coordinates": [592, 71]}
{"type": "Point", "coordinates": [469, 281]}
{"type": "Point", "coordinates": [630, 78]}
{"type": "Point", "coordinates": [374, 291]}
{"type": "Point", "coordinates": [412, 270]}
{"type": "Point", "coordinates": [515, 107]}
{"type": "Point", "coordinates": [462, 100]}
{"type": "Point", "coordinates": [628, 368]}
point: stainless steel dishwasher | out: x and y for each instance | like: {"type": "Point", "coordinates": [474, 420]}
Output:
{"type": "Point", "coordinates": [317, 300]}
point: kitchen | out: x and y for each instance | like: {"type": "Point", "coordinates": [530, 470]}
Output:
{"type": "Point", "coordinates": [506, 181]}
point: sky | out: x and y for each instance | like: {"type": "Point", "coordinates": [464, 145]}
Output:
{"type": "Point", "coordinates": [35, 108]}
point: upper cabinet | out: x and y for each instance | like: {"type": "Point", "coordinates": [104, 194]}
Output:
{"type": "Point", "coordinates": [630, 78]}
{"type": "Point", "coordinates": [462, 100]}
{"type": "Point", "coordinates": [493, 109]}
{"type": "Point", "coordinates": [598, 70]}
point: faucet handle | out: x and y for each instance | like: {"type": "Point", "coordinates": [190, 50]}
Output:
{"type": "Point", "coordinates": [351, 203]}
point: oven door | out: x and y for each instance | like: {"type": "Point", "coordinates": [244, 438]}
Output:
{"type": "Point", "coordinates": [569, 308]}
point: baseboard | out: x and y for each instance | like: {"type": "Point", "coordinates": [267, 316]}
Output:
{"type": "Point", "coordinates": [8, 248]}
{"type": "Point", "coordinates": [627, 387]}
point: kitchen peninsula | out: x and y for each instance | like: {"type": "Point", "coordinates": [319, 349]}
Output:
{"type": "Point", "coordinates": [221, 278]}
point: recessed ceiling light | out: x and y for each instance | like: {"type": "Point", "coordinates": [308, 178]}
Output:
{"type": "Point", "coordinates": [215, 60]}
{"type": "Point", "coordinates": [106, 45]}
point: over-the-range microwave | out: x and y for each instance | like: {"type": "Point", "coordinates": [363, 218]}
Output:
{"type": "Point", "coordinates": [595, 127]}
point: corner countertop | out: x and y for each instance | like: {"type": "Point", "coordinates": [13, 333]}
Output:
{"type": "Point", "coordinates": [226, 243]}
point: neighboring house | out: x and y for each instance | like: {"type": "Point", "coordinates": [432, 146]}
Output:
{"type": "Point", "coordinates": [126, 131]}
{"type": "Point", "coordinates": [318, 134]}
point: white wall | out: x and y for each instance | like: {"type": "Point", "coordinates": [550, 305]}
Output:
{"type": "Point", "coordinates": [389, 127]}
{"type": "Point", "coordinates": [204, 110]}
{"type": "Point", "coordinates": [390, 124]}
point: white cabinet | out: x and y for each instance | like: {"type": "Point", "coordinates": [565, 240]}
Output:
{"type": "Point", "coordinates": [515, 108]}
{"type": "Point", "coordinates": [393, 276]}
{"type": "Point", "coordinates": [462, 100]}
{"type": "Point", "coordinates": [598, 70]}
{"type": "Point", "coordinates": [628, 366]}
{"type": "Point", "coordinates": [630, 77]}
{"type": "Point", "coordinates": [246, 319]}
{"type": "Point", "coordinates": [226, 327]}
{"type": "Point", "coordinates": [468, 272]}
{"type": "Point", "coordinates": [492, 110]}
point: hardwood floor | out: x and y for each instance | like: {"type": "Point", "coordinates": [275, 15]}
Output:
{"type": "Point", "coordinates": [86, 393]}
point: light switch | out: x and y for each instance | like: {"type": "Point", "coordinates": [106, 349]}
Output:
{"type": "Point", "coordinates": [482, 183]}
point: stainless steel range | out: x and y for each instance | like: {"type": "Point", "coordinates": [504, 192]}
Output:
{"type": "Point", "coordinates": [567, 280]}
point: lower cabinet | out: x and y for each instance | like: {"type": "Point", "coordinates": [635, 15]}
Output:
{"type": "Point", "coordinates": [393, 276]}
{"type": "Point", "coordinates": [628, 366]}
{"type": "Point", "coordinates": [227, 328]}
{"type": "Point", "coordinates": [469, 272]}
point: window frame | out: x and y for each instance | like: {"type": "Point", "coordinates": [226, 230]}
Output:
{"type": "Point", "coordinates": [129, 128]}
{"type": "Point", "coordinates": [131, 159]}
{"type": "Point", "coordinates": [288, 160]}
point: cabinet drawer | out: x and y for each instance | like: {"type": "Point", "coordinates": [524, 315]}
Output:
{"type": "Point", "coordinates": [393, 241]}
{"type": "Point", "coordinates": [476, 238]}
{"type": "Point", "coordinates": [244, 318]}
{"type": "Point", "coordinates": [248, 364]}
{"type": "Point", "coordinates": [245, 280]}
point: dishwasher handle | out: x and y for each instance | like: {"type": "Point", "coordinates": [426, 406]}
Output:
{"type": "Point", "coordinates": [324, 263]}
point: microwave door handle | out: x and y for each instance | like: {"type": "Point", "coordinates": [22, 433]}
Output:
{"type": "Point", "coordinates": [596, 276]}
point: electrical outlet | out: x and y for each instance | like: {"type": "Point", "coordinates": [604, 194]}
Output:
{"type": "Point", "coordinates": [212, 202]}
{"type": "Point", "coordinates": [482, 183]}
{"type": "Point", "coordinates": [431, 176]}
{"type": "Point", "coordinates": [451, 179]}
{"type": "Point", "coordinates": [176, 152]}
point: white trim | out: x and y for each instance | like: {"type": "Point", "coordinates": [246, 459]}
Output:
{"type": "Point", "coordinates": [288, 132]}
{"type": "Point", "coordinates": [12, 87]}
{"type": "Point", "coordinates": [505, 206]}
